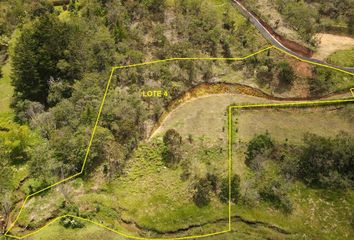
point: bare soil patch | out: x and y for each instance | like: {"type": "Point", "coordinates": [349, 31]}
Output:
{"type": "Point", "coordinates": [330, 43]}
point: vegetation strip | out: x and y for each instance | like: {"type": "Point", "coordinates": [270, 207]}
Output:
{"type": "Point", "coordinates": [229, 135]}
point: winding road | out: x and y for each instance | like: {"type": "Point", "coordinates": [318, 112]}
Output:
{"type": "Point", "coordinates": [267, 35]}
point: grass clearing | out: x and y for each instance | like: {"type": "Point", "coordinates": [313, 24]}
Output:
{"type": "Point", "coordinates": [90, 231]}
{"type": "Point", "coordinates": [291, 124]}
{"type": "Point", "coordinates": [342, 58]}
{"type": "Point", "coordinates": [155, 197]}
{"type": "Point", "coordinates": [317, 213]}
{"type": "Point", "coordinates": [204, 117]}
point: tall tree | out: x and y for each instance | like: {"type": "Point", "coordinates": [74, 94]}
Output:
{"type": "Point", "coordinates": [39, 55]}
{"type": "Point", "coordinates": [173, 141]}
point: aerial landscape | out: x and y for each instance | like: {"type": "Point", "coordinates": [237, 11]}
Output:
{"type": "Point", "coordinates": [177, 119]}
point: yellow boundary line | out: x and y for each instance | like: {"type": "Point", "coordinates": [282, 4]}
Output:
{"type": "Point", "coordinates": [97, 121]}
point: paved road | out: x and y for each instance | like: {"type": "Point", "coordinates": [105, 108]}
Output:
{"type": "Point", "coordinates": [266, 34]}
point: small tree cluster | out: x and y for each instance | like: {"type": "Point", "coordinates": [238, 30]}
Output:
{"type": "Point", "coordinates": [286, 74]}
{"type": "Point", "coordinates": [202, 193]}
{"type": "Point", "coordinates": [275, 193]}
{"type": "Point", "coordinates": [258, 145]}
{"type": "Point", "coordinates": [172, 153]}
{"type": "Point", "coordinates": [211, 184]}
{"type": "Point", "coordinates": [327, 162]}
{"type": "Point", "coordinates": [234, 186]}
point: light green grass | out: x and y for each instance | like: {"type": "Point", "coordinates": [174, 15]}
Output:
{"type": "Point", "coordinates": [342, 58]}
{"type": "Point", "coordinates": [6, 93]}
{"type": "Point", "coordinates": [318, 213]}
{"type": "Point", "coordinates": [204, 117]}
{"type": "Point", "coordinates": [90, 231]}
{"type": "Point", "coordinates": [155, 197]}
{"type": "Point", "coordinates": [293, 123]}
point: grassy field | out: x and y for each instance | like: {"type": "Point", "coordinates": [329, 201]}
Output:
{"type": "Point", "coordinates": [280, 123]}
{"type": "Point", "coordinates": [342, 58]}
{"type": "Point", "coordinates": [156, 197]}
{"type": "Point", "coordinates": [204, 117]}
{"type": "Point", "coordinates": [318, 213]}
{"type": "Point", "coordinates": [56, 231]}
{"type": "Point", "coordinates": [323, 214]}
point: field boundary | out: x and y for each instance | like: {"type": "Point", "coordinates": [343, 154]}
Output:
{"type": "Point", "coordinates": [113, 69]}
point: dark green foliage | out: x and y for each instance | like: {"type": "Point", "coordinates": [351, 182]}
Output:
{"type": "Point", "coordinates": [286, 74]}
{"type": "Point", "coordinates": [350, 24]}
{"type": "Point", "coordinates": [321, 84]}
{"type": "Point", "coordinates": [226, 50]}
{"type": "Point", "coordinates": [72, 6]}
{"type": "Point", "coordinates": [229, 22]}
{"type": "Point", "coordinates": [124, 116]}
{"type": "Point", "coordinates": [264, 74]}
{"type": "Point", "coordinates": [69, 148]}
{"type": "Point", "coordinates": [173, 141]}
{"type": "Point", "coordinates": [213, 181]}
{"type": "Point", "coordinates": [202, 193]}
{"type": "Point", "coordinates": [320, 162]}
{"type": "Point", "coordinates": [154, 6]}
{"type": "Point", "coordinates": [235, 190]}
{"type": "Point", "coordinates": [58, 90]}
{"type": "Point", "coordinates": [39, 50]}
{"type": "Point", "coordinates": [257, 146]}
{"type": "Point", "coordinates": [327, 162]}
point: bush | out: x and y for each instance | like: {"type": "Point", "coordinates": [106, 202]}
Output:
{"type": "Point", "coordinates": [286, 74]}
{"type": "Point", "coordinates": [327, 162]}
{"type": "Point", "coordinates": [201, 196]}
{"type": "Point", "coordinates": [172, 154]}
{"type": "Point", "coordinates": [274, 193]}
{"type": "Point", "coordinates": [70, 222]}
{"type": "Point", "coordinates": [235, 189]}
{"type": "Point", "coordinates": [258, 145]}
{"type": "Point", "coordinates": [34, 184]}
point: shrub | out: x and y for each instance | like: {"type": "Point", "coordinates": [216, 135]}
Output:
{"type": "Point", "coordinates": [172, 154]}
{"type": "Point", "coordinates": [327, 162]}
{"type": "Point", "coordinates": [35, 184]}
{"type": "Point", "coordinates": [235, 189]}
{"type": "Point", "coordinates": [256, 146]}
{"type": "Point", "coordinates": [275, 193]}
{"type": "Point", "coordinates": [70, 222]}
{"type": "Point", "coordinates": [201, 196]}
{"type": "Point", "coordinates": [286, 74]}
